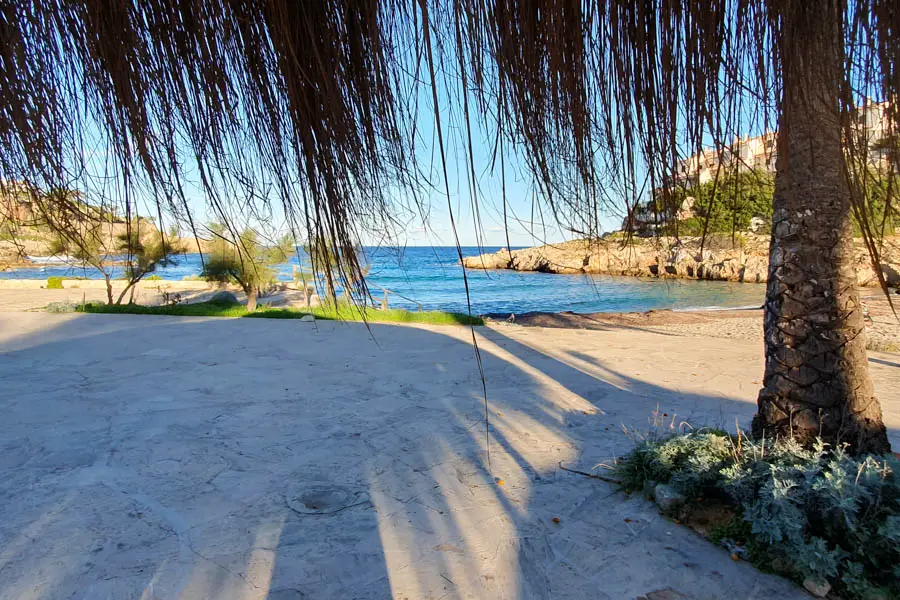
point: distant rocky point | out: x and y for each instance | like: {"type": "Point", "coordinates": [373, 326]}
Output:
{"type": "Point", "coordinates": [744, 260]}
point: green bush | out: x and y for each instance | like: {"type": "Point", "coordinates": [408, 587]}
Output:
{"type": "Point", "coordinates": [817, 513]}
{"type": "Point", "coordinates": [727, 205]}
{"type": "Point", "coordinates": [244, 259]}
{"type": "Point", "coordinates": [722, 206]}
{"type": "Point", "coordinates": [55, 283]}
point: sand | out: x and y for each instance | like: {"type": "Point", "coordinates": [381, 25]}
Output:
{"type": "Point", "coordinates": [151, 293]}
{"type": "Point", "coordinates": [882, 326]}
{"type": "Point", "coordinates": [163, 457]}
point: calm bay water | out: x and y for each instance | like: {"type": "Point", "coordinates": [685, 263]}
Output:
{"type": "Point", "coordinates": [432, 277]}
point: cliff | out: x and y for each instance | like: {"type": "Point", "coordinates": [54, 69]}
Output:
{"type": "Point", "coordinates": [31, 240]}
{"type": "Point", "coordinates": [744, 261]}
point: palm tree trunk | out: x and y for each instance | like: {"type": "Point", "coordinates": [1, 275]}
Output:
{"type": "Point", "coordinates": [816, 379]}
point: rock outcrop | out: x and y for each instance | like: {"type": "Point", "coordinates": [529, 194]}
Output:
{"type": "Point", "coordinates": [745, 261]}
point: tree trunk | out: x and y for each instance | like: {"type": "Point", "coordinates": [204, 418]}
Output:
{"type": "Point", "coordinates": [252, 293]}
{"type": "Point", "coordinates": [128, 286]}
{"type": "Point", "coordinates": [109, 291]}
{"type": "Point", "coordinates": [817, 380]}
{"type": "Point", "coordinates": [329, 288]}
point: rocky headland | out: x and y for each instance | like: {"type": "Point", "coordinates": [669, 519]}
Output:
{"type": "Point", "coordinates": [745, 260]}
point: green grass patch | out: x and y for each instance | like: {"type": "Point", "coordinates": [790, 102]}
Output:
{"type": "Point", "coordinates": [342, 313]}
{"type": "Point", "coordinates": [203, 309]}
{"type": "Point", "coordinates": [816, 515]}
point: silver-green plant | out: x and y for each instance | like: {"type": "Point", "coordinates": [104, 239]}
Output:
{"type": "Point", "coordinates": [814, 513]}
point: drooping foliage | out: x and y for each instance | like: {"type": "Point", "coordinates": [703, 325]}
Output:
{"type": "Point", "coordinates": [315, 107]}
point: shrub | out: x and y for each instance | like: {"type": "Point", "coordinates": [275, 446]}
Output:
{"type": "Point", "coordinates": [816, 514]}
{"type": "Point", "coordinates": [61, 307]}
{"type": "Point", "coordinates": [54, 283]}
{"type": "Point", "coordinates": [244, 259]}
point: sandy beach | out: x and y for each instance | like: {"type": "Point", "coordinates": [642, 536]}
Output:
{"type": "Point", "coordinates": [31, 297]}
{"type": "Point", "coordinates": [882, 326]}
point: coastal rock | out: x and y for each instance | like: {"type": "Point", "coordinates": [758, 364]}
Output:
{"type": "Point", "coordinates": [819, 590]}
{"type": "Point", "coordinates": [224, 297]}
{"type": "Point", "coordinates": [498, 260]}
{"type": "Point", "coordinates": [744, 259]}
{"type": "Point", "coordinates": [668, 498]}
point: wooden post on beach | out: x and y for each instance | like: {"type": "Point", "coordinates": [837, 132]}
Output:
{"type": "Point", "coordinates": [384, 303]}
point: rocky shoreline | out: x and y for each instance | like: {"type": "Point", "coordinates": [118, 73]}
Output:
{"type": "Point", "coordinates": [745, 260]}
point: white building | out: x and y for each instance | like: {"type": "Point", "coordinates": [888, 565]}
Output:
{"type": "Point", "coordinates": [744, 154]}
{"type": "Point", "coordinates": [874, 131]}
{"type": "Point", "coordinates": [759, 153]}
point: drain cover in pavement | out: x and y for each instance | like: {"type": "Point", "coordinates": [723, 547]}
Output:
{"type": "Point", "coordinates": [326, 499]}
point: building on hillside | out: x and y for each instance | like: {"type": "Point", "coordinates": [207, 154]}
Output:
{"type": "Point", "coordinates": [759, 153]}
{"type": "Point", "coordinates": [872, 121]}
{"type": "Point", "coordinates": [756, 153]}
{"type": "Point", "coordinates": [874, 133]}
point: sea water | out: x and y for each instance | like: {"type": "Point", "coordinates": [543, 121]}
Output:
{"type": "Point", "coordinates": [432, 278]}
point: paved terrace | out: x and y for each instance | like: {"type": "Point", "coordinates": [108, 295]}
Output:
{"type": "Point", "coordinates": [156, 457]}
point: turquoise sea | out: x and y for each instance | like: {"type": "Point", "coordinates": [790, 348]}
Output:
{"type": "Point", "coordinates": [432, 278]}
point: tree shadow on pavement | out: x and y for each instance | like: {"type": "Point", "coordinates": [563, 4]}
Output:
{"type": "Point", "coordinates": [167, 457]}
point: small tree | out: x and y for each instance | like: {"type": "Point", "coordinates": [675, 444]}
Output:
{"type": "Point", "coordinates": [84, 243]}
{"type": "Point", "coordinates": [244, 260]}
{"type": "Point", "coordinates": [87, 242]}
{"type": "Point", "coordinates": [143, 257]}
{"type": "Point", "coordinates": [86, 232]}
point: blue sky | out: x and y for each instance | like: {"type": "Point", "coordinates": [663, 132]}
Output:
{"type": "Point", "coordinates": [525, 225]}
